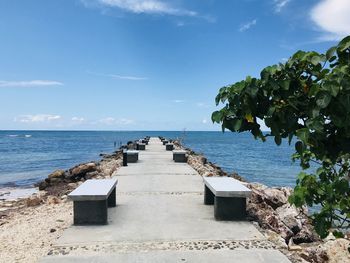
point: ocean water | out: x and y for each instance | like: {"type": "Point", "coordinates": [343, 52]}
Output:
{"type": "Point", "coordinates": [29, 156]}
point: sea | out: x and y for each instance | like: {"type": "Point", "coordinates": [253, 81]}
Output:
{"type": "Point", "coordinates": [27, 157]}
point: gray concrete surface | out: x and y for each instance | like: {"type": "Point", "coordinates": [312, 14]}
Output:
{"type": "Point", "coordinates": [238, 255]}
{"type": "Point", "coordinates": [161, 201]}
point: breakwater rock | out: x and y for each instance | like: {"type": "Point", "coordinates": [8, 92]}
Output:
{"type": "Point", "coordinates": [69, 178]}
{"type": "Point", "coordinates": [288, 227]}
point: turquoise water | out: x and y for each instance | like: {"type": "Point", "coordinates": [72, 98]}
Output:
{"type": "Point", "coordinates": [29, 156]}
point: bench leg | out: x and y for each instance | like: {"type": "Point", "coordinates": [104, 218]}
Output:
{"type": "Point", "coordinates": [90, 212]}
{"type": "Point", "coordinates": [230, 208]}
{"type": "Point", "coordinates": [111, 199]}
{"type": "Point", "coordinates": [208, 196]}
{"type": "Point", "coordinates": [180, 158]}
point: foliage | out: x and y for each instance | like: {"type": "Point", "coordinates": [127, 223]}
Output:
{"type": "Point", "coordinates": [307, 98]}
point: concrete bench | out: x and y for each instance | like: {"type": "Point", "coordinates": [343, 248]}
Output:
{"type": "Point", "coordinates": [91, 201]}
{"type": "Point", "coordinates": [169, 146]}
{"type": "Point", "coordinates": [132, 156]}
{"type": "Point", "coordinates": [228, 196]}
{"type": "Point", "coordinates": [141, 146]}
{"type": "Point", "coordinates": [179, 156]}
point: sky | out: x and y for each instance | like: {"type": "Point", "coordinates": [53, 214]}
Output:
{"type": "Point", "coordinates": [145, 64]}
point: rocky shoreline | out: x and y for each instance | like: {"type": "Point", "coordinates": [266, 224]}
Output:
{"type": "Point", "coordinates": [285, 226]}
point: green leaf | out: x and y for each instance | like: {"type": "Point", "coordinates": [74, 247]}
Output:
{"type": "Point", "coordinates": [332, 87]}
{"type": "Point", "coordinates": [323, 99]}
{"type": "Point", "coordinates": [278, 140]}
{"type": "Point", "coordinates": [338, 234]}
{"type": "Point", "coordinates": [330, 52]}
{"type": "Point", "coordinates": [303, 135]}
{"type": "Point", "coordinates": [316, 60]}
{"type": "Point", "coordinates": [344, 44]}
{"type": "Point", "coordinates": [216, 116]}
{"type": "Point", "coordinates": [237, 123]}
{"type": "Point", "coordinates": [299, 147]}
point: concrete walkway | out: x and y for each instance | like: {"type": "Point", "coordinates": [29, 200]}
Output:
{"type": "Point", "coordinates": [160, 217]}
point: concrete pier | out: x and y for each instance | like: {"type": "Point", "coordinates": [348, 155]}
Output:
{"type": "Point", "coordinates": [160, 217]}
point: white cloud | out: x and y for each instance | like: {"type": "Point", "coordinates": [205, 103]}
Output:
{"type": "Point", "coordinates": [178, 101]}
{"type": "Point", "coordinates": [280, 4]}
{"type": "Point", "coordinates": [114, 121]}
{"type": "Point", "coordinates": [247, 26]}
{"type": "Point", "coordinates": [29, 83]}
{"type": "Point", "coordinates": [332, 17]}
{"type": "Point", "coordinates": [115, 76]}
{"type": "Point", "coordinates": [37, 118]}
{"type": "Point", "coordinates": [78, 119]}
{"type": "Point", "coordinates": [127, 77]}
{"type": "Point", "coordinates": [147, 7]}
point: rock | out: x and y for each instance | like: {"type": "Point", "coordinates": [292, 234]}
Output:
{"type": "Point", "coordinates": [80, 170]}
{"type": "Point", "coordinates": [306, 235]}
{"type": "Point", "coordinates": [90, 175]}
{"type": "Point", "coordinates": [288, 215]}
{"type": "Point", "coordinates": [56, 174]}
{"type": "Point", "coordinates": [53, 200]}
{"type": "Point", "coordinates": [33, 201]}
{"type": "Point", "coordinates": [276, 239]}
{"type": "Point", "coordinates": [55, 180]}
{"type": "Point", "coordinates": [293, 247]}
{"type": "Point", "coordinates": [274, 197]}
{"type": "Point", "coordinates": [52, 230]}
{"type": "Point", "coordinates": [203, 160]}
{"type": "Point", "coordinates": [315, 254]}
{"type": "Point", "coordinates": [43, 185]}
{"type": "Point", "coordinates": [72, 185]}
{"type": "Point", "coordinates": [337, 250]}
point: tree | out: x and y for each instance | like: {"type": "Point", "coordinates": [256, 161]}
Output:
{"type": "Point", "coordinates": [306, 98]}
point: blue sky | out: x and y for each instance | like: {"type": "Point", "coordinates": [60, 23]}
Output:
{"type": "Point", "coordinates": [145, 64]}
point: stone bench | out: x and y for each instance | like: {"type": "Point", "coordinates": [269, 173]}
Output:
{"type": "Point", "coordinates": [179, 156]}
{"type": "Point", "coordinates": [228, 196]}
{"type": "Point", "coordinates": [91, 201]}
{"type": "Point", "coordinates": [169, 146]}
{"type": "Point", "coordinates": [132, 156]}
{"type": "Point", "coordinates": [141, 146]}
